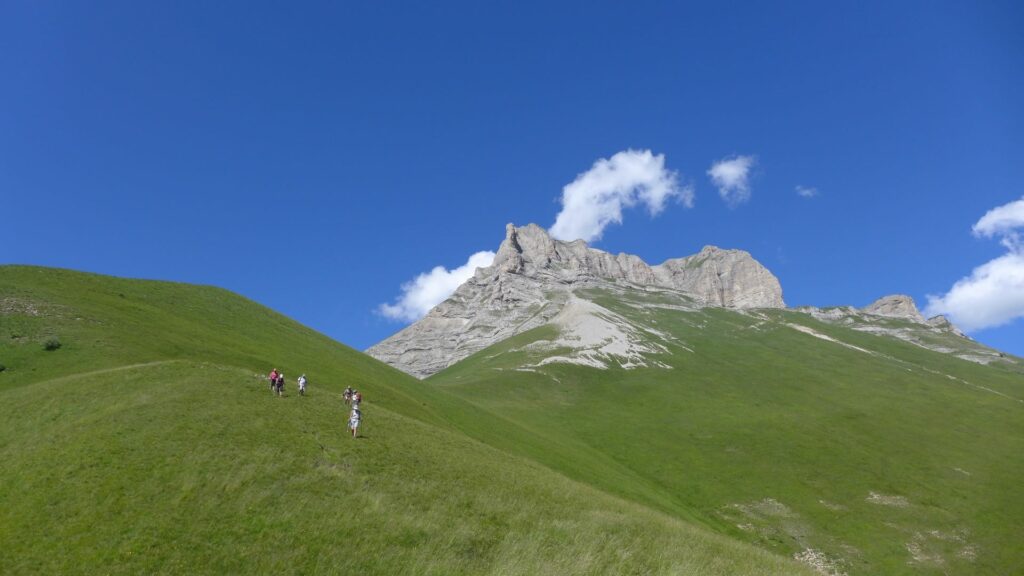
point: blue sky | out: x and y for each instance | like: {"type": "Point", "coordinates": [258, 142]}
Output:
{"type": "Point", "coordinates": [316, 158]}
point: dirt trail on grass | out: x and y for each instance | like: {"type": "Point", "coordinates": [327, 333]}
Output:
{"type": "Point", "coordinates": [107, 371]}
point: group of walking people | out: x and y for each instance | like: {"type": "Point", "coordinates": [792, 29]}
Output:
{"type": "Point", "coordinates": [353, 398]}
{"type": "Point", "coordinates": [277, 383]}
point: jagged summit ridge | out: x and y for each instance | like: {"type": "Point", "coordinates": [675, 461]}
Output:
{"type": "Point", "coordinates": [530, 251]}
{"type": "Point", "coordinates": [713, 277]}
{"type": "Point", "coordinates": [532, 278]}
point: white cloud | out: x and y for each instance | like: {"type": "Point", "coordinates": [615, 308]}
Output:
{"type": "Point", "coordinates": [806, 191]}
{"type": "Point", "coordinates": [596, 197]}
{"type": "Point", "coordinates": [1003, 221]}
{"type": "Point", "coordinates": [732, 178]}
{"type": "Point", "coordinates": [429, 289]}
{"type": "Point", "coordinates": [993, 294]}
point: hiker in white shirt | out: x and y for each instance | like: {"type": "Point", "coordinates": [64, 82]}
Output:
{"type": "Point", "coordinates": [354, 420]}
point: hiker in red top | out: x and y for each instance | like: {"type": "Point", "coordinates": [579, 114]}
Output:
{"type": "Point", "coordinates": [273, 380]}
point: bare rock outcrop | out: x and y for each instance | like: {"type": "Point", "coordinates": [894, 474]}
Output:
{"type": "Point", "coordinates": [726, 278]}
{"type": "Point", "coordinates": [942, 323]}
{"type": "Point", "coordinates": [533, 276]}
{"type": "Point", "coordinates": [937, 333]}
{"type": "Point", "coordinates": [895, 306]}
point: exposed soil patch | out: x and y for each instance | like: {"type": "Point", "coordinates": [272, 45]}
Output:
{"type": "Point", "coordinates": [11, 306]}
{"type": "Point", "coordinates": [821, 563]}
{"type": "Point", "coordinates": [887, 500]}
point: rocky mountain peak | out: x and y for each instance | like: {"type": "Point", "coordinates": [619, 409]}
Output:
{"type": "Point", "coordinates": [533, 276]}
{"type": "Point", "coordinates": [895, 306]}
{"type": "Point", "coordinates": [529, 243]}
{"type": "Point", "coordinates": [718, 277]}
{"type": "Point", "coordinates": [536, 280]}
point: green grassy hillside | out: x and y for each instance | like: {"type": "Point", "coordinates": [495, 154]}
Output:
{"type": "Point", "coordinates": [866, 453]}
{"type": "Point", "coordinates": [147, 442]}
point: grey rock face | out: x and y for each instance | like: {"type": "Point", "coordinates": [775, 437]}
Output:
{"type": "Point", "coordinates": [534, 275]}
{"type": "Point", "coordinates": [529, 251]}
{"type": "Point", "coordinates": [942, 323]}
{"type": "Point", "coordinates": [726, 278]}
{"type": "Point", "coordinates": [895, 306]}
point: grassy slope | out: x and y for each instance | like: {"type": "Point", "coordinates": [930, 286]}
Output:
{"type": "Point", "coordinates": [779, 437]}
{"type": "Point", "coordinates": [148, 443]}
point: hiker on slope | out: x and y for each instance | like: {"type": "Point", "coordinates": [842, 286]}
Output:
{"type": "Point", "coordinates": [354, 420]}
{"type": "Point", "coordinates": [302, 385]}
{"type": "Point", "coordinates": [273, 379]}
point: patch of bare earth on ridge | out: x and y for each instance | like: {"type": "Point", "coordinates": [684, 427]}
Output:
{"type": "Point", "coordinates": [936, 548]}
{"type": "Point", "coordinates": [949, 550]}
{"type": "Point", "coordinates": [14, 306]}
{"type": "Point", "coordinates": [11, 306]}
{"type": "Point", "coordinates": [821, 563]}
{"type": "Point", "coordinates": [775, 524]}
{"type": "Point", "coordinates": [887, 500]}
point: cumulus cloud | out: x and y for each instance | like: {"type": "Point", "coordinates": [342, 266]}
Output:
{"type": "Point", "coordinates": [431, 288]}
{"type": "Point", "coordinates": [732, 178]}
{"type": "Point", "coordinates": [806, 191]}
{"type": "Point", "coordinates": [596, 197]}
{"type": "Point", "coordinates": [1003, 221]}
{"type": "Point", "coordinates": [591, 202]}
{"type": "Point", "coordinates": [993, 294]}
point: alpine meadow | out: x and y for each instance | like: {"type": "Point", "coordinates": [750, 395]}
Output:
{"type": "Point", "coordinates": [147, 442]}
{"type": "Point", "coordinates": [524, 288]}
{"type": "Point", "coordinates": [635, 429]}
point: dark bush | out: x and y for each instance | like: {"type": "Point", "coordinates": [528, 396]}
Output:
{"type": "Point", "coordinates": [51, 345]}
{"type": "Point", "coordinates": [2, 367]}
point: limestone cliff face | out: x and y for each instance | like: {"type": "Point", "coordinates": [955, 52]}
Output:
{"type": "Point", "coordinates": [529, 251]}
{"type": "Point", "coordinates": [726, 278]}
{"type": "Point", "coordinates": [534, 275]}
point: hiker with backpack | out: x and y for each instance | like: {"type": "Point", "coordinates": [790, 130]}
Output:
{"type": "Point", "coordinates": [357, 397]}
{"type": "Point", "coordinates": [302, 385]}
{"type": "Point", "coordinates": [354, 420]}
{"type": "Point", "coordinates": [273, 379]}
{"type": "Point", "coordinates": [280, 384]}
{"type": "Point", "coordinates": [347, 395]}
